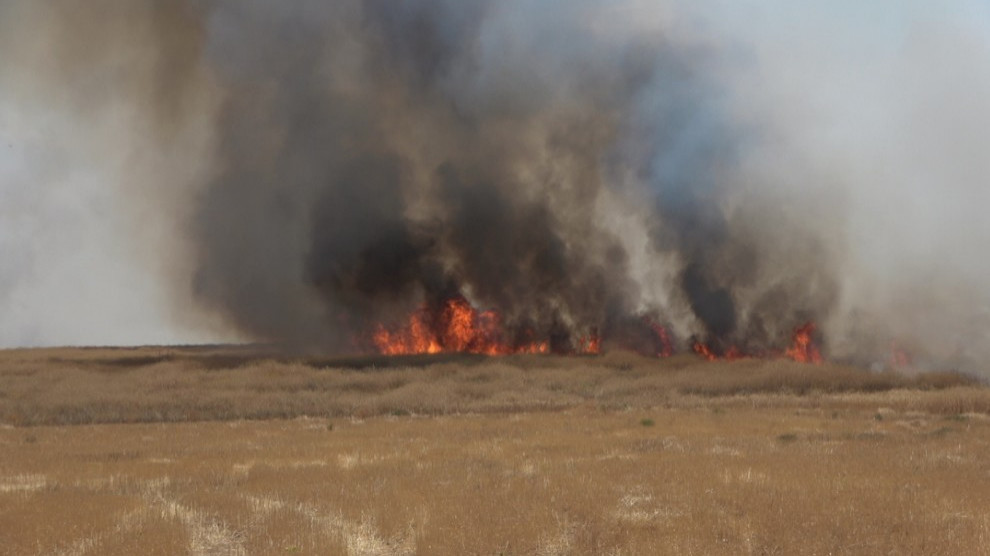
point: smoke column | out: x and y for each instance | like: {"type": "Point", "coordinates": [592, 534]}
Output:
{"type": "Point", "coordinates": [299, 172]}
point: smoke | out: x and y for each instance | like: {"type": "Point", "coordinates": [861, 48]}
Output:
{"type": "Point", "coordinates": [102, 128]}
{"type": "Point", "coordinates": [387, 154]}
{"type": "Point", "coordinates": [869, 118]}
{"type": "Point", "coordinates": [305, 171]}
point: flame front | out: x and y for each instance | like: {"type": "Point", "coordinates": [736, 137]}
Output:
{"type": "Point", "coordinates": [455, 326]}
{"type": "Point", "coordinates": [731, 354]}
{"type": "Point", "coordinates": [591, 344]}
{"type": "Point", "coordinates": [803, 348]}
{"type": "Point", "coordinates": [459, 328]}
{"type": "Point", "coordinates": [415, 338]}
{"type": "Point", "coordinates": [665, 347]}
{"type": "Point", "coordinates": [704, 351]}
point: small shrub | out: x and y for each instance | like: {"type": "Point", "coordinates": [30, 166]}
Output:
{"type": "Point", "coordinates": [647, 422]}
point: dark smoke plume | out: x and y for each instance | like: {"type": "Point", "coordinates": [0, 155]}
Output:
{"type": "Point", "coordinates": [303, 171]}
{"type": "Point", "coordinates": [386, 154]}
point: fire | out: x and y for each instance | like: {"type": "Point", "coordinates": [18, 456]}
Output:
{"type": "Point", "coordinates": [415, 338]}
{"type": "Point", "coordinates": [590, 345]}
{"type": "Point", "coordinates": [666, 347]}
{"type": "Point", "coordinates": [704, 351]}
{"type": "Point", "coordinates": [457, 328]}
{"type": "Point", "coordinates": [803, 348]}
{"type": "Point", "coordinates": [731, 354]}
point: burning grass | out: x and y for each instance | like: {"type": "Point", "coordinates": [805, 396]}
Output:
{"type": "Point", "coordinates": [453, 325]}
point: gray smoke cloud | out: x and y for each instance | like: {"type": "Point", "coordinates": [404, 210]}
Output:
{"type": "Point", "coordinates": [104, 122]}
{"type": "Point", "coordinates": [299, 172]}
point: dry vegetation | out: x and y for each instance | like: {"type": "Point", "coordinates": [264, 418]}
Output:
{"type": "Point", "coordinates": [242, 451]}
{"type": "Point", "coordinates": [151, 385]}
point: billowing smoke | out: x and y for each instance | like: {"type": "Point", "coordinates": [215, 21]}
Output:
{"type": "Point", "coordinates": [304, 171]}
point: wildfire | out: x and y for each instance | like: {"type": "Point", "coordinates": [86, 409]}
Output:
{"type": "Point", "coordinates": [591, 344]}
{"type": "Point", "coordinates": [803, 348]}
{"type": "Point", "coordinates": [415, 338]}
{"type": "Point", "coordinates": [666, 347]}
{"type": "Point", "coordinates": [704, 351]}
{"type": "Point", "coordinates": [458, 328]}
{"type": "Point", "coordinates": [455, 326]}
{"type": "Point", "coordinates": [731, 354]}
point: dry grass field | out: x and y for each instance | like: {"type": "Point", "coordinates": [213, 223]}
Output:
{"type": "Point", "coordinates": [243, 451]}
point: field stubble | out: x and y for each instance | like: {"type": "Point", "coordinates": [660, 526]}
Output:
{"type": "Point", "coordinates": [228, 451]}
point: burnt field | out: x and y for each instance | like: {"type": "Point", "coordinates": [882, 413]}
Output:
{"type": "Point", "coordinates": [246, 450]}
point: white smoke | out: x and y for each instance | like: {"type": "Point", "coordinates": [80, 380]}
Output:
{"type": "Point", "coordinates": [877, 113]}
{"type": "Point", "coordinates": [90, 193]}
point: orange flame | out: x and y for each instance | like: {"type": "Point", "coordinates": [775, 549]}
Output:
{"type": "Point", "coordinates": [731, 354]}
{"type": "Point", "coordinates": [666, 348]}
{"type": "Point", "coordinates": [415, 338]}
{"type": "Point", "coordinates": [803, 348]}
{"type": "Point", "coordinates": [591, 345]}
{"type": "Point", "coordinates": [704, 351]}
{"type": "Point", "coordinates": [457, 328]}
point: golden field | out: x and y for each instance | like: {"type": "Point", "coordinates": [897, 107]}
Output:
{"type": "Point", "coordinates": [224, 450]}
